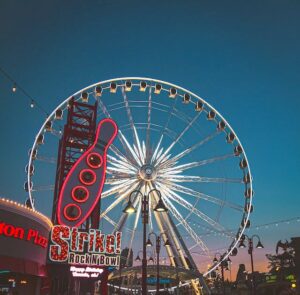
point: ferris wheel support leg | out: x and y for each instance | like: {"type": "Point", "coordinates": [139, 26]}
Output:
{"type": "Point", "coordinates": [196, 286]}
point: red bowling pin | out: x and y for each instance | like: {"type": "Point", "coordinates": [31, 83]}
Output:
{"type": "Point", "coordinates": [83, 185]}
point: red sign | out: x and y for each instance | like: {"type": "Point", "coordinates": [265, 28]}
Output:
{"type": "Point", "coordinates": [78, 247]}
{"type": "Point", "coordinates": [83, 185]}
{"type": "Point", "coordinates": [18, 232]}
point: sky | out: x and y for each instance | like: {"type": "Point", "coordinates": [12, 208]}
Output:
{"type": "Point", "coordinates": [242, 57]}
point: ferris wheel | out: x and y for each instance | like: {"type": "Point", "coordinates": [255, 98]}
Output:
{"type": "Point", "coordinates": [169, 139]}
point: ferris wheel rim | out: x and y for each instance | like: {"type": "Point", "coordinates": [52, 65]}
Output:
{"type": "Point", "coordinates": [246, 215]}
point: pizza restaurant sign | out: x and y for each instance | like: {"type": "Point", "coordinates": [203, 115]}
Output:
{"type": "Point", "coordinates": [18, 232]}
{"type": "Point", "coordinates": [77, 247]}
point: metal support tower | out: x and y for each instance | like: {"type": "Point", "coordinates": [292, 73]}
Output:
{"type": "Point", "coordinates": [78, 135]}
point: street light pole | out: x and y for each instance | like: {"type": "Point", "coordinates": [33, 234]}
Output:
{"type": "Point", "coordinates": [144, 261]}
{"type": "Point", "coordinates": [157, 263]}
{"type": "Point", "coordinates": [158, 246]}
{"type": "Point", "coordinates": [250, 252]}
{"type": "Point", "coordinates": [222, 264]}
{"type": "Point", "coordinates": [160, 207]}
{"type": "Point", "coordinates": [222, 272]}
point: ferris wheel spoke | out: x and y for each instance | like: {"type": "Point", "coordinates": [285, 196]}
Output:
{"type": "Point", "coordinates": [178, 199]}
{"type": "Point", "coordinates": [120, 169]}
{"type": "Point", "coordinates": [121, 156]}
{"type": "Point", "coordinates": [150, 215]}
{"type": "Point", "coordinates": [157, 149]}
{"type": "Point", "coordinates": [187, 227]}
{"type": "Point", "coordinates": [39, 188]}
{"type": "Point", "coordinates": [132, 152]}
{"type": "Point", "coordinates": [116, 180]}
{"type": "Point", "coordinates": [179, 136]}
{"type": "Point", "coordinates": [187, 166]}
{"type": "Point", "coordinates": [163, 130]}
{"type": "Point", "coordinates": [109, 220]}
{"type": "Point", "coordinates": [191, 192]}
{"type": "Point", "coordinates": [133, 129]}
{"type": "Point", "coordinates": [188, 178]}
{"type": "Point", "coordinates": [174, 159]}
{"type": "Point", "coordinates": [121, 197]}
{"type": "Point", "coordinates": [118, 188]}
{"type": "Point", "coordinates": [105, 111]}
{"type": "Point", "coordinates": [124, 216]}
{"type": "Point", "coordinates": [56, 133]}
{"type": "Point", "coordinates": [51, 160]}
{"type": "Point", "coordinates": [138, 213]}
{"type": "Point", "coordinates": [148, 125]}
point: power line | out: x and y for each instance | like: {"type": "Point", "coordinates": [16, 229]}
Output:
{"type": "Point", "coordinates": [257, 227]}
{"type": "Point", "coordinates": [16, 86]}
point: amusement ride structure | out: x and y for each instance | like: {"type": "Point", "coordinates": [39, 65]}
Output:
{"type": "Point", "coordinates": [170, 142]}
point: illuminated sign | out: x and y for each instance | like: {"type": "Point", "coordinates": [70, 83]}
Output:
{"type": "Point", "coordinates": [82, 188]}
{"type": "Point", "coordinates": [86, 272]}
{"type": "Point", "coordinates": [153, 280]}
{"type": "Point", "coordinates": [273, 278]}
{"type": "Point", "coordinates": [77, 247]}
{"type": "Point", "coordinates": [18, 232]}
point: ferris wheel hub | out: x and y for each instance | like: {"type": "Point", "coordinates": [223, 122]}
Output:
{"type": "Point", "coordinates": [147, 172]}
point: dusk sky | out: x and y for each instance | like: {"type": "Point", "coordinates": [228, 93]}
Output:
{"type": "Point", "coordinates": [242, 57]}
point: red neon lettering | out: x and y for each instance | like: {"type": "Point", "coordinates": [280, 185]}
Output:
{"type": "Point", "coordinates": [110, 244]}
{"type": "Point", "coordinates": [12, 231]}
{"type": "Point", "coordinates": [99, 246]}
{"type": "Point", "coordinates": [83, 236]}
{"type": "Point", "coordinates": [74, 239]}
{"type": "Point", "coordinates": [118, 242]}
{"type": "Point", "coordinates": [59, 251]}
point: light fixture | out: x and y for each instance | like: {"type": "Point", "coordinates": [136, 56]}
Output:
{"type": "Point", "coordinates": [172, 92]}
{"type": "Point", "coordinates": [128, 85]}
{"type": "Point", "coordinates": [221, 125]}
{"type": "Point", "coordinates": [138, 258]}
{"type": "Point", "coordinates": [199, 106]}
{"type": "Point", "coordinates": [143, 86]}
{"type": "Point", "coordinates": [98, 91]}
{"type": "Point", "coordinates": [160, 207]}
{"type": "Point", "coordinates": [151, 259]}
{"type": "Point", "coordinates": [186, 98]}
{"type": "Point", "coordinates": [14, 88]}
{"type": "Point", "coordinates": [129, 208]}
{"type": "Point", "coordinates": [32, 103]}
{"type": "Point", "coordinates": [242, 244]}
{"type": "Point", "coordinates": [113, 87]}
{"type": "Point", "coordinates": [211, 115]}
{"type": "Point", "coordinates": [148, 243]}
{"type": "Point", "coordinates": [84, 97]}
{"type": "Point", "coordinates": [58, 114]}
{"type": "Point", "coordinates": [167, 243]}
{"type": "Point", "coordinates": [40, 139]}
{"type": "Point", "coordinates": [259, 245]}
{"type": "Point", "coordinates": [243, 163]}
{"type": "Point", "coordinates": [157, 89]}
{"type": "Point", "coordinates": [48, 126]}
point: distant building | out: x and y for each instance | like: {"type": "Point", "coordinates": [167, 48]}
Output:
{"type": "Point", "coordinates": [124, 256]}
{"type": "Point", "coordinates": [295, 243]}
{"type": "Point", "coordinates": [241, 274]}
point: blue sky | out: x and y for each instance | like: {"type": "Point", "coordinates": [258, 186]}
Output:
{"type": "Point", "coordinates": [242, 57]}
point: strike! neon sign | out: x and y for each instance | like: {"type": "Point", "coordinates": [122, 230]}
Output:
{"type": "Point", "coordinates": [72, 246]}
